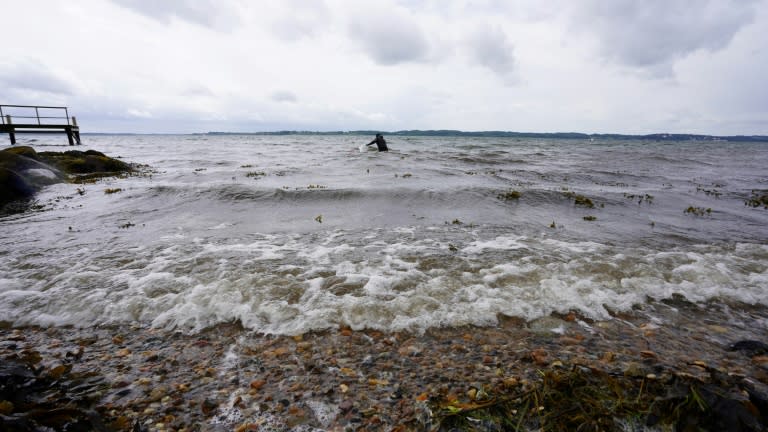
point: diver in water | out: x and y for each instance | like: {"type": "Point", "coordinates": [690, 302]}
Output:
{"type": "Point", "coordinates": [380, 142]}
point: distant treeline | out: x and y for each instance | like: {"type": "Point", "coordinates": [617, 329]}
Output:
{"type": "Point", "coordinates": [506, 134]}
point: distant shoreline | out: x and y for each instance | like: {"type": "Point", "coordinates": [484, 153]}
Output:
{"type": "Point", "coordinates": [480, 134]}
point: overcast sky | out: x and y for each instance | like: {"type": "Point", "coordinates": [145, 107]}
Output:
{"type": "Point", "coordinates": [626, 66]}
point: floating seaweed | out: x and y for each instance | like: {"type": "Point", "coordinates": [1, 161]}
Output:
{"type": "Point", "coordinates": [509, 195]}
{"type": "Point", "coordinates": [647, 198]}
{"type": "Point", "coordinates": [255, 174]}
{"type": "Point", "coordinates": [579, 200]}
{"type": "Point", "coordinates": [110, 191]}
{"type": "Point", "coordinates": [698, 211]}
{"type": "Point", "coordinates": [758, 198]}
{"type": "Point", "coordinates": [590, 218]}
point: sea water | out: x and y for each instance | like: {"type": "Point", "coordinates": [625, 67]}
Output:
{"type": "Point", "coordinates": [288, 234]}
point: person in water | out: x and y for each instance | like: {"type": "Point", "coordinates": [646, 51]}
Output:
{"type": "Point", "coordinates": [380, 142]}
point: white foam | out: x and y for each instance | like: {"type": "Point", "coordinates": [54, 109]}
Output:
{"type": "Point", "coordinates": [289, 284]}
{"type": "Point", "coordinates": [502, 243]}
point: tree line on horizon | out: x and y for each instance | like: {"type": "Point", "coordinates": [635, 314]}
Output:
{"type": "Point", "coordinates": [509, 134]}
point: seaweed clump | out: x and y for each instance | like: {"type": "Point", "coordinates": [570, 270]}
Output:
{"type": "Point", "coordinates": [583, 201]}
{"type": "Point", "coordinates": [758, 198]}
{"type": "Point", "coordinates": [698, 211]}
{"type": "Point", "coordinates": [509, 195]}
{"type": "Point", "coordinates": [582, 398]}
{"type": "Point", "coordinates": [580, 200]}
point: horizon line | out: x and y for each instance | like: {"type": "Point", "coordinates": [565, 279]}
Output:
{"type": "Point", "coordinates": [454, 132]}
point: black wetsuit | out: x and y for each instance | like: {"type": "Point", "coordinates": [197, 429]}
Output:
{"type": "Point", "coordinates": [380, 143]}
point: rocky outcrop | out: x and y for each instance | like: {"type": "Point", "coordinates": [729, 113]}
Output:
{"type": "Point", "coordinates": [23, 171]}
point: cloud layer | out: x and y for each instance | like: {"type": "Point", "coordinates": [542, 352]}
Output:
{"type": "Point", "coordinates": [588, 66]}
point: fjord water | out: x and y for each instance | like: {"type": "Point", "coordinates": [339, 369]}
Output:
{"type": "Point", "coordinates": [287, 234]}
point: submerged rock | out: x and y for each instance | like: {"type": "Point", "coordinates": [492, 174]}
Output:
{"type": "Point", "coordinates": [23, 171]}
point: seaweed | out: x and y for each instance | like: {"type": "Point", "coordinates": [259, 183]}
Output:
{"type": "Point", "coordinates": [698, 211]}
{"type": "Point", "coordinates": [509, 195]}
{"type": "Point", "coordinates": [579, 200]}
{"type": "Point", "coordinates": [647, 198]}
{"type": "Point", "coordinates": [590, 218]}
{"type": "Point", "coordinates": [582, 398]}
{"type": "Point", "coordinates": [583, 201]}
{"type": "Point", "coordinates": [758, 198]}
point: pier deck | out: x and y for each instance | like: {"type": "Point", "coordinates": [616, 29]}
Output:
{"type": "Point", "coordinates": [32, 119]}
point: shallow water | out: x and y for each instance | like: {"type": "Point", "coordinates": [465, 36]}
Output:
{"type": "Point", "coordinates": [287, 234]}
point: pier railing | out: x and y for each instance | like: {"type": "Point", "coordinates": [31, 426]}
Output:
{"type": "Point", "coordinates": [10, 112]}
{"type": "Point", "coordinates": [28, 119]}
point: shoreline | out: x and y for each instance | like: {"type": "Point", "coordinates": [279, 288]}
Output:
{"type": "Point", "coordinates": [470, 378]}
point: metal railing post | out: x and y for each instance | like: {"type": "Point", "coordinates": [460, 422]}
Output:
{"type": "Point", "coordinates": [37, 114]}
{"type": "Point", "coordinates": [11, 135]}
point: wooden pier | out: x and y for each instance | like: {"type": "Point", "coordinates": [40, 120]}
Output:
{"type": "Point", "coordinates": [18, 119]}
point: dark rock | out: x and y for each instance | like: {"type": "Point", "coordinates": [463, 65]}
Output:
{"type": "Point", "coordinates": [23, 171]}
{"type": "Point", "coordinates": [750, 347]}
{"type": "Point", "coordinates": [208, 406]}
{"type": "Point", "coordinates": [14, 186]}
{"type": "Point", "coordinates": [35, 397]}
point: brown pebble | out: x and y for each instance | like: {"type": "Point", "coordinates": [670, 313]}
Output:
{"type": "Point", "coordinates": [511, 382]}
{"type": "Point", "coordinates": [566, 340]}
{"type": "Point", "coordinates": [647, 354]}
{"type": "Point", "coordinates": [257, 384]}
{"type": "Point", "coordinates": [539, 356]}
{"type": "Point", "coordinates": [208, 406]}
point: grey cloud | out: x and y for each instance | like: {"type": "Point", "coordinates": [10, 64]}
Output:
{"type": "Point", "coordinates": [389, 37]}
{"type": "Point", "coordinates": [284, 96]}
{"type": "Point", "coordinates": [654, 33]}
{"type": "Point", "coordinates": [490, 48]}
{"type": "Point", "coordinates": [208, 13]}
{"type": "Point", "coordinates": [198, 90]}
{"type": "Point", "coordinates": [30, 75]}
{"type": "Point", "coordinates": [301, 19]}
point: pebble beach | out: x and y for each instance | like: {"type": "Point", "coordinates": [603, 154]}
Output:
{"type": "Point", "coordinates": [230, 379]}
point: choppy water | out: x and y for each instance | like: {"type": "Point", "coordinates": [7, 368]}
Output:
{"type": "Point", "coordinates": [294, 233]}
